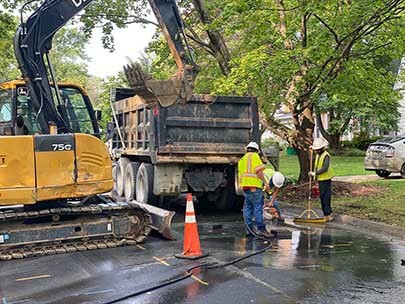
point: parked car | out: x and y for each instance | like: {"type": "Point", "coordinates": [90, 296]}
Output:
{"type": "Point", "coordinates": [386, 156]}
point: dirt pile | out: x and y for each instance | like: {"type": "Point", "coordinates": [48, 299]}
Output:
{"type": "Point", "coordinates": [295, 193]}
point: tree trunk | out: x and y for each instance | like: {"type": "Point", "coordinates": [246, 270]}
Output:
{"type": "Point", "coordinates": [301, 140]}
{"type": "Point", "coordinates": [334, 142]}
{"type": "Point", "coordinates": [217, 41]}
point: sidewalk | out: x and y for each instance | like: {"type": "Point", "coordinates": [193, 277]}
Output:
{"type": "Point", "coordinates": [357, 178]}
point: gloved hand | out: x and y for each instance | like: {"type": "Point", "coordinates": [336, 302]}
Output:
{"type": "Point", "coordinates": [311, 174]}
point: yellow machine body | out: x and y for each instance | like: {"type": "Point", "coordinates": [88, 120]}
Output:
{"type": "Point", "coordinates": [49, 167]}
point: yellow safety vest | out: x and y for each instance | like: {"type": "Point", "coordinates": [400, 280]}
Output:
{"type": "Point", "coordinates": [328, 174]}
{"type": "Point", "coordinates": [268, 174]}
{"type": "Point", "coordinates": [248, 166]}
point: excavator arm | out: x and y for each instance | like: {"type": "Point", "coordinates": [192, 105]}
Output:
{"type": "Point", "coordinates": [33, 41]}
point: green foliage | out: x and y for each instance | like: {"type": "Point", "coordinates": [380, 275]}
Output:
{"type": "Point", "coordinates": [360, 142]}
{"type": "Point", "coordinates": [68, 58]}
{"type": "Point", "coordinates": [354, 152]}
{"type": "Point", "coordinates": [107, 85]}
{"type": "Point", "coordinates": [8, 65]}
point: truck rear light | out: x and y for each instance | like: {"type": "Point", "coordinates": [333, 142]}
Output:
{"type": "Point", "coordinates": [155, 111]}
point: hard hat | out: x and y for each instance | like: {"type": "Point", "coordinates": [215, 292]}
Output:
{"type": "Point", "coordinates": [278, 179]}
{"type": "Point", "coordinates": [253, 145]}
{"type": "Point", "coordinates": [319, 143]}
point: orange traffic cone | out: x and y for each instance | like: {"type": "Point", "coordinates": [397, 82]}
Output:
{"type": "Point", "coordinates": [191, 242]}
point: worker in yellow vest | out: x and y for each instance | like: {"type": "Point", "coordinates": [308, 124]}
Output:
{"type": "Point", "coordinates": [275, 180]}
{"type": "Point", "coordinates": [323, 173]}
{"type": "Point", "coordinates": [251, 179]}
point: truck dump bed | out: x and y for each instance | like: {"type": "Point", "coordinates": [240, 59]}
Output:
{"type": "Point", "coordinates": [221, 127]}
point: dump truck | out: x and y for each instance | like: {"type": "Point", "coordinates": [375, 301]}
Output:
{"type": "Point", "coordinates": [163, 152]}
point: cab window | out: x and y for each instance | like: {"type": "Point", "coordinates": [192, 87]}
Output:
{"type": "Point", "coordinates": [5, 106]}
{"type": "Point", "coordinates": [79, 116]}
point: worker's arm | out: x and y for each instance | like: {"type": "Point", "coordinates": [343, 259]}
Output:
{"type": "Point", "coordinates": [260, 175]}
{"type": "Point", "coordinates": [325, 166]}
{"type": "Point", "coordinates": [274, 196]}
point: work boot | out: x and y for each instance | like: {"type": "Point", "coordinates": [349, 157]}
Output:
{"type": "Point", "coordinates": [328, 218]}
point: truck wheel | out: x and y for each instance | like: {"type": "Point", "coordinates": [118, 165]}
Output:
{"type": "Point", "coordinates": [121, 166]}
{"type": "Point", "coordinates": [383, 173]}
{"type": "Point", "coordinates": [144, 184]}
{"type": "Point", "coordinates": [130, 180]}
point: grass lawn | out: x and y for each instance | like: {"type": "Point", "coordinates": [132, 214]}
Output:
{"type": "Point", "coordinates": [342, 165]}
{"type": "Point", "coordinates": [386, 204]}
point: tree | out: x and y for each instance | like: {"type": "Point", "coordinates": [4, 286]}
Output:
{"type": "Point", "coordinates": [8, 66]}
{"type": "Point", "coordinates": [294, 52]}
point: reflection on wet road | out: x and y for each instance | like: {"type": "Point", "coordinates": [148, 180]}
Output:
{"type": "Point", "coordinates": [317, 264]}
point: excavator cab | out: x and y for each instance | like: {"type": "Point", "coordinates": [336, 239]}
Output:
{"type": "Point", "coordinates": [18, 116]}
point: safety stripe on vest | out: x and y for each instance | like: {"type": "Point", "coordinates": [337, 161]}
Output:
{"type": "Point", "coordinates": [249, 174]}
{"type": "Point", "coordinates": [249, 163]}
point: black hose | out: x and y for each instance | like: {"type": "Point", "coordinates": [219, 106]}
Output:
{"type": "Point", "coordinates": [206, 266]}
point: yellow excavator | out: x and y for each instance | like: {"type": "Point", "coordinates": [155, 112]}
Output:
{"type": "Point", "coordinates": [53, 166]}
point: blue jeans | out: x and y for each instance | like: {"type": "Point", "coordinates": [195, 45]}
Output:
{"type": "Point", "coordinates": [254, 208]}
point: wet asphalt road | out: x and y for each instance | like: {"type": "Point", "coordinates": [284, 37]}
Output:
{"type": "Point", "coordinates": [319, 264]}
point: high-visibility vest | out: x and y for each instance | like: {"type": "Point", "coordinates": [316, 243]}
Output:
{"type": "Point", "coordinates": [248, 166]}
{"type": "Point", "coordinates": [319, 159]}
{"type": "Point", "coordinates": [268, 174]}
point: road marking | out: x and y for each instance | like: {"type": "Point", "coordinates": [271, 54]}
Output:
{"type": "Point", "coordinates": [97, 292]}
{"type": "Point", "coordinates": [161, 261]}
{"type": "Point", "coordinates": [140, 247]}
{"type": "Point", "coordinates": [33, 278]}
{"type": "Point", "coordinates": [250, 276]}
{"type": "Point", "coordinates": [199, 280]}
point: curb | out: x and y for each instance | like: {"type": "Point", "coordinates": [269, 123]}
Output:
{"type": "Point", "coordinates": [365, 225]}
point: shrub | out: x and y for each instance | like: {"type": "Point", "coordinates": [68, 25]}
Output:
{"type": "Point", "coordinates": [354, 152]}
{"type": "Point", "coordinates": [359, 142]}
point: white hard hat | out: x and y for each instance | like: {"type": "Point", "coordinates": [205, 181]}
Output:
{"type": "Point", "coordinates": [278, 179]}
{"type": "Point", "coordinates": [253, 145]}
{"type": "Point", "coordinates": [319, 143]}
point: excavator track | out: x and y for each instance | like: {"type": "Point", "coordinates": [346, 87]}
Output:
{"type": "Point", "coordinates": [71, 228]}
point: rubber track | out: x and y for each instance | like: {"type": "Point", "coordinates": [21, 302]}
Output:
{"type": "Point", "coordinates": [73, 246]}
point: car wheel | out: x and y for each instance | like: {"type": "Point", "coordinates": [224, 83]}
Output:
{"type": "Point", "coordinates": [130, 180]}
{"type": "Point", "coordinates": [383, 173]}
{"type": "Point", "coordinates": [403, 171]}
{"type": "Point", "coordinates": [144, 184]}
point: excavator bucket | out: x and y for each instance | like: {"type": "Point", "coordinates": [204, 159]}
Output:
{"type": "Point", "coordinates": [161, 219]}
{"type": "Point", "coordinates": [178, 89]}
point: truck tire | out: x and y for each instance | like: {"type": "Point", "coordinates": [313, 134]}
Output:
{"type": "Point", "coordinates": [382, 173]}
{"type": "Point", "coordinates": [130, 180]}
{"type": "Point", "coordinates": [144, 184]}
{"type": "Point", "coordinates": [121, 167]}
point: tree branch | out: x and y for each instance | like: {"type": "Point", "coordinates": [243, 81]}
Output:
{"type": "Point", "coordinates": [333, 32]}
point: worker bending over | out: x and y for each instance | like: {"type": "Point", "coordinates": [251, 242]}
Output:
{"type": "Point", "coordinates": [251, 179]}
{"type": "Point", "coordinates": [275, 180]}
{"type": "Point", "coordinates": [323, 174]}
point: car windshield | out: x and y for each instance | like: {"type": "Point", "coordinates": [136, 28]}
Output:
{"type": "Point", "coordinates": [390, 140]}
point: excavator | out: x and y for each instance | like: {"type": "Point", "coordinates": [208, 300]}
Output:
{"type": "Point", "coordinates": [54, 169]}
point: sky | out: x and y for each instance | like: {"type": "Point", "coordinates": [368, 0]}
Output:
{"type": "Point", "coordinates": [129, 42]}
